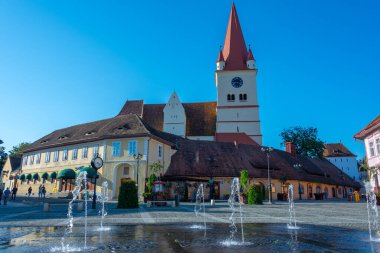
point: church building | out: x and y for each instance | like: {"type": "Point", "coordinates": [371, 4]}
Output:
{"type": "Point", "coordinates": [209, 142]}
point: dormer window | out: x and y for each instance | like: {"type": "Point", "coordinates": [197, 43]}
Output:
{"type": "Point", "coordinates": [63, 137]}
{"type": "Point", "coordinates": [89, 133]}
{"type": "Point", "coordinates": [43, 141]}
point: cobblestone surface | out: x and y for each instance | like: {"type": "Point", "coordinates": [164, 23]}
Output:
{"type": "Point", "coordinates": [29, 212]}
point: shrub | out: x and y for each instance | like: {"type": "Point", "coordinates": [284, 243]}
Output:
{"type": "Point", "coordinates": [255, 195]}
{"type": "Point", "coordinates": [244, 178]}
{"type": "Point", "coordinates": [128, 195]}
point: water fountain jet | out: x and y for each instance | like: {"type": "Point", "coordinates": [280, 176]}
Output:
{"type": "Point", "coordinates": [292, 223]}
{"type": "Point", "coordinates": [373, 215]}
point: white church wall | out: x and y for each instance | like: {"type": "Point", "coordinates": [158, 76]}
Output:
{"type": "Point", "coordinates": [174, 116]}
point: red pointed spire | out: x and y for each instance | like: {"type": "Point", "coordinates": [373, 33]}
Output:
{"type": "Point", "coordinates": [250, 55]}
{"type": "Point", "coordinates": [235, 50]}
{"type": "Point", "coordinates": [220, 56]}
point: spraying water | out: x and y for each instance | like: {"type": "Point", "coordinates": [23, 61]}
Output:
{"type": "Point", "coordinates": [70, 219]}
{"type": "Point", "coordinates": [103, 198]}
{"type": "Point", "coordinates": [292, 223]}
{"type": "Point", "coordinates": [234, 203]}
{"type": "Point", "coordinates": [373, 215]}
{"type": "Point", "coordinates": [199, 206]}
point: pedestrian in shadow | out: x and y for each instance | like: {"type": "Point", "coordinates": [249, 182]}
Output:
{"type": "Point", "coordinates": [1, 194]}
{"type": "Point", "coordinates": [43, 191]}
{"type": "Point", "coordinates": [6, 195]}
{"type": "Point", "coordinates": [14, 192]}
{"type": "Point", "coordinates": [40, 192]}
{"type": "Point", "coordinates": [29, 191]}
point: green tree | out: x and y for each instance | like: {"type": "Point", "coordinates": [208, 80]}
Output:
{"type": "Point", "coordinates": [17, 150]}
{"type": "Point", "coordinates": [363, 166]}
{"type": "Point", "coordinates": [305, 140]}
{"type": "Point", "coordinates": [3, 156]}
{"type": "Point", "coordinates": [255, 196]}
{"type": "Point", "coordinates": [156, 168]}
{"type": "Point", "coordinates": [244, 178]}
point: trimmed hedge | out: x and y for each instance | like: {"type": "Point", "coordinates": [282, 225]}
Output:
{"type": "Point", "coordinates": [128, 195]}
{"type": "Point", "coordinates": [255, 196]}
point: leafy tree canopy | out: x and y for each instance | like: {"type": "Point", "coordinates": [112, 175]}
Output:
{"type": "Point", "coordinates": [3, 155]}
{"type": "Point", "coordinates": [17, 150]}
{"type": "Point", "coordinates": [305, 140]}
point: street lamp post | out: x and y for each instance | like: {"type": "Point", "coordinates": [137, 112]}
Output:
{"type": "Point", "coordinates": [297, 166]}
{"type": "Point", "coordinates": [96, 164]}
{"type": "Point", "coordinates": [137, 157]}
{"type": "Point", "coordinates": [267, 150]}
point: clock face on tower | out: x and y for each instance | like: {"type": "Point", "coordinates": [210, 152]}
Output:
{"type": "Point", "coordinates": [237, 82]}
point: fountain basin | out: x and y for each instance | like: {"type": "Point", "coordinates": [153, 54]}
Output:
{"type": "Point", "coordinates": [178, 238]}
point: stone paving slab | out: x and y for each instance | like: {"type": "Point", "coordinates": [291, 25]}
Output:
{"type": "Point", "coordinates": [339, 213]}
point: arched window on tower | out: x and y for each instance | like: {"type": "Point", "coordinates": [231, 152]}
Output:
{"type": "Point", "coordinates": [240, 96]}
{"type": "Point", "coordinates": [245, 96]}
{"type": "Point", "coordinates": [228, 97]}
{"type": "Point", "coordinates": [233, 97]}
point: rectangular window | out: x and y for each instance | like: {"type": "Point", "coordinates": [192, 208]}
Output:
{"type": "Point", "coordinates": [25, 160]}
{"type": "Point", "coordinates": [31, 160]}
{"type": "Point", "coordinates": [378, 146]}
{"type": "Point", "coordinates": [47, 157]}
{"type": "Point", "coordinates": [38, 160]}
{"type": "Point", "coordinates": [85, 152]}
{"type": "Point", "coordinates": [74, 154]}
{"type": "Point", "coordinates": [145, 147]}
{"type": "Point", "coordinates": [64, 155]}
{"type": "Point", "coordinates": [95, 150]}
{"type": "Point", "coordinates": [159, 151]}
{"type": "Point", "coordinates": [126, 171]}
{"type": "Point", "coordinates": [132, 148]}
{"type": "Point", "coordinates": [116, 148]}
{"type": "Point", "coordinates": [56, 156]}
{"type": "Point", "coordinates": [371, 149]}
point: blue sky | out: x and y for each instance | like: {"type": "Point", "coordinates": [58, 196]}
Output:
{"type": "Point", "coordinates": [69, 62]}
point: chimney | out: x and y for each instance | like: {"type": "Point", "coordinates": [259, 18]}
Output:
{"type": "Point", "coordinates": [290, 148]}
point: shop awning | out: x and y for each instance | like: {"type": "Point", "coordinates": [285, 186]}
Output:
{"type": "Point", "coordinates": [53, 175]}
{"type": "Point", "coordinates": [45, 175]}
{"type": "Point", "coordinates": [29, 177]}
{"type": "Point", "coordinates": [91, 173]}
{"type": "Point", "coordinates": [35, 176]}
{"type": "Point", "coordinates": [66, 174]}
{"type": "Point", "coordinates": [22, 177]}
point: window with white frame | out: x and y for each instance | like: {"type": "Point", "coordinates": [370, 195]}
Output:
{"type": "Point", "coordinates": [116, 148]}
{"type": "Point", "coordinates": [371, 149]}
{"type": "Point", "coordinates": [145, 147]}
{"type": "Point", "coordinates": [56, 156]}
{"type": "Point", "coordinates": [95, 150]}
{"type": "Point", "coordinates": [38, 159]}
{"type": "Point", "coordinates": [159, 151]}
{"type": "Point", "coordinates": [25, 160]}
{"type": "Point", "coordinates": [64, 155]}
{"type": "Point", "coordinates": [378, 146]}
{"type": "Point", "coordinates": [132, 148]}
{"type": "Point", "coordinates": [74, 154]}
{"type": "Point", "coordinates": [47, 157]}
{"type": "Point", "coordinates": [85, 152]}
{"type": "Point", "coordinates": [31, 160]}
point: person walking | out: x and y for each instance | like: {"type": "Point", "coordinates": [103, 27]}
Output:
{"type": "Point", "coordinates": [43, 190]}
{"type": "Point", "coordinates": [40, 192]}
{"type": "Point", "coordinates": [6, 194]}
{"type": "Point", "coordinates": [14, 192]}
{"type": "Point", "coordinates": [29, 191]}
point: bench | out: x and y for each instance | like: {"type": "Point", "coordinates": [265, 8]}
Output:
{"type": "Point", "coordinates": [151, 203]}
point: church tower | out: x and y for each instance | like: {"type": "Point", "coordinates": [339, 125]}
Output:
{"type": "Point", "coordinates": [235, 75]}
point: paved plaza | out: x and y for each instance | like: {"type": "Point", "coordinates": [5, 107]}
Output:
{"type": "Point", "coordinates": [340, 213]}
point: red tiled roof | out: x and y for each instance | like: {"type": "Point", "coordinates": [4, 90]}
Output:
{"type": "Point", "coordinates": [335, 150]}
{"type": "Point", "coordinates": [200, 117]}
{"type": "Point", "coordinates": [221, 159]}
{"type": "Point", "coordinates": [234, 50]}
{"type": "Point", "coordinates": [239, 138]}
{"type": "Point", "coordinates": [133, 107]}
{"type": "Point", "coordinates": [250, 55]}
{"type": "Point", "coordinates": [375, 124]}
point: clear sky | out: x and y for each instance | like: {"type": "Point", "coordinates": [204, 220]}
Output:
{"type": "Point", "coordinates": [69, 62]}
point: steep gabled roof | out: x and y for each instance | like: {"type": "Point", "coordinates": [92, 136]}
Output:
{"type": "Point", "coordinates": [375, 124]}
{"type": "Point", "coordinates": [336, 150]}
{"type": "Point", "coordinates": [200, 117]}
{"type": "Point", "coordinates": [133, 107]}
